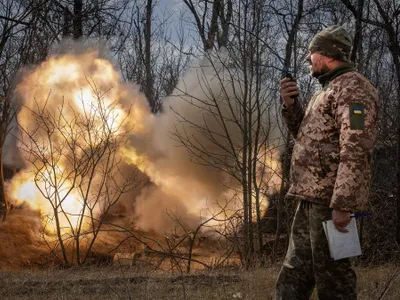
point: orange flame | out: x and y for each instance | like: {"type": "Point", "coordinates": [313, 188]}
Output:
{"type": "Point", "coordinates": [70, 88]}
{"type": "Point", "coordinates": [80, 85]}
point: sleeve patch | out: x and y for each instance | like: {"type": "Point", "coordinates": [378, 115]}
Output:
{"type": "Point", "coordinates": [356, 116]}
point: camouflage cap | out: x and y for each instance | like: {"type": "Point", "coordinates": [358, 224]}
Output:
{"type": "Point", "coordinates": [334, 42]}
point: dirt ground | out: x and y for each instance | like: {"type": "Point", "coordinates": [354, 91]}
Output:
{"type": "Point", "coordinates": [130, 283]}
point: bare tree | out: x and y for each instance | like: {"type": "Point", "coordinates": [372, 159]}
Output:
{"type": "Point", "coordinates": [148, 84]}
{"type": "Point", "coordinates": [291, 26]}
{"type": "Point", "coordinates": [7, 114]}
{"type": "Point", "coordinates": [78, 157]}
{"type": "Point", "coordinates": [16, 21]}
{"type": "Point", "coordinates": [77, 19]}
{"type": "Point", "coordinates": [150, 55]}
{"type": "Point", "coordinates": [212, 20]}
{"type": "Point", "coordinates": [235, 128]}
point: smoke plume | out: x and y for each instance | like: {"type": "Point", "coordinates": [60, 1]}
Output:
{"type": "Point", "coordinates": [204, 109]}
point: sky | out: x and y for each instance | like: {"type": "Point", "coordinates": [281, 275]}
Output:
{"type": "Point", "coordinates": [170, 6]}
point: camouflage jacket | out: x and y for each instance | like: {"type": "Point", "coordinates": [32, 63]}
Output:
{"type": "Point", "coordinates": [334, 140]}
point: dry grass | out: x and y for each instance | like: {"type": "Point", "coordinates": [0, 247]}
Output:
{"type": "Point", "coordinates": [117, 283]}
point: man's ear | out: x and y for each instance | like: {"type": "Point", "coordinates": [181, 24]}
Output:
{"type": "Point", "coordinates": [330, 59]}
{"type": "Point", "coordinates": [332, 62]}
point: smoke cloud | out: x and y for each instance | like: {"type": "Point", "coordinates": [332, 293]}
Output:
{"type": "Point", "coordinates": [205, 108]}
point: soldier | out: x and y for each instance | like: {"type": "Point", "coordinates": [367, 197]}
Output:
{"type": "Point", "coordinates": [330, 167]}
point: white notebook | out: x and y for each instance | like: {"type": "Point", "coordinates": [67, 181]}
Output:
{"type": "Point", "coordinates": [342, 245]}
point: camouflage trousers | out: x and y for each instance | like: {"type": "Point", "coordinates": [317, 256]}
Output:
{"type": "Point", "coordinates": [308, 263]}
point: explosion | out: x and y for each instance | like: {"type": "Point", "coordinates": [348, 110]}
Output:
{"type": "Point", "coordinates": [74, 116]}
{"type": "Point", "coordinates": [89, 141]}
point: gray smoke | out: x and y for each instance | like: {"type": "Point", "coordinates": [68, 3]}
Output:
{"type": "Point", "coordinates": [189, 152]}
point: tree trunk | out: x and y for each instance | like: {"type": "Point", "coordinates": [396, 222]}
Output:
{"type": "Point", "coordinates": [78, 32]}
{"type": "Point", "coordinates": [201, 22]}
{"type": "Point", "coordinates": [245, 188]}
{"type": "Point", "coordinates": [225, 21]}
{"type": "Point", "coordinates": [357, 41]}
{"type": "Point", "coordinates": [7, 114]}
{"type": "Point", "coordinates": [66, 29]}
{"type": "Point", "coordinates": [258, 83]}
{"type": "Point", "coordinates": [213, 29]}
{"type": "Point", "coordinates": [395, 49]}
{"type": "Point", "coordinates": [285, 169]}
{"type": "Point", "coordinates": [4, 205]}
{"type": "Point", "coordinates": [398, 154]}
{"type": "Point", "coordinates": [148, 85]}
{"type": "Point", "coordinates": [59, 235]}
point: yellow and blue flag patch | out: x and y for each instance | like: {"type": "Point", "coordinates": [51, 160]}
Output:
{"type": "Point", "coordinates": [356, 116]}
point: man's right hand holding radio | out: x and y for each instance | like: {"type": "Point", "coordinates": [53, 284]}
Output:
{"type": "Point", "coordinates": [288, 90]}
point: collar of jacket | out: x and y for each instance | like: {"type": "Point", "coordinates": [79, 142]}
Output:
{"type": "Point", "coordinates": [332, 74]}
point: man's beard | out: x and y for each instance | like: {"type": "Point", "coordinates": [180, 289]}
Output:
{"type": "Point", "coordinates": [320, 72]}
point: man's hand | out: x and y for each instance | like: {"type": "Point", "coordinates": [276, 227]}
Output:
{"type": "Point", "coordinates": [341, 219]}
{"type": "Point", "coordinates": [288, 90]}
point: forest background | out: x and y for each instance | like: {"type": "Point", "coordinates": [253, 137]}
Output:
{"type": "Point", "coordinates": [245, 47]}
